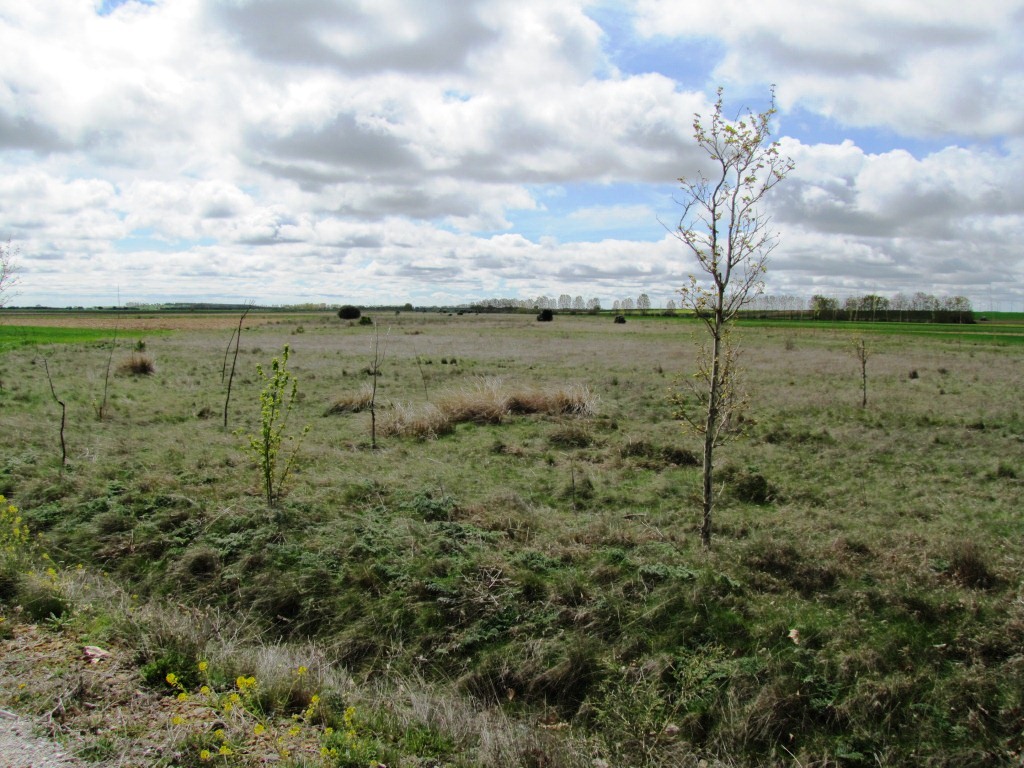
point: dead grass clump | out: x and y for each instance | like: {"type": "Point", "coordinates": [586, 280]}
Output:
{"type": "Point", "coordinates": [572, 400]}
{"type": "Point", "coordinates": [427, 423]}
{"type": "Point", "coordinates": [967, 566]}
{"type": "Point", "coordinates": [351, 403]}
{"type": "Point", "coordinates": [484, 402]}
{"type": "Point", "coordinates": [137, 365]}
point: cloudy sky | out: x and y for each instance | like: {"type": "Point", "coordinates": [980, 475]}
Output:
{"type": "Point", "coordinates": [379, 151]}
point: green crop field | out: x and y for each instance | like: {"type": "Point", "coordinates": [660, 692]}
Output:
{"type": "Point", "coordinates": [18, 335]}
{"type": "Point", "coordinates": [514, 576]}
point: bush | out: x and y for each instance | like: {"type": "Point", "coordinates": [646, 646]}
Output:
{"type": "Point", "coordinates": [365, 320]}
{"type": "Point", "coordinates": [546, 316]}
{"type": "Point", "coordinates": [620, 319]}
{"type": "Point", "coordinates": [348, 312]}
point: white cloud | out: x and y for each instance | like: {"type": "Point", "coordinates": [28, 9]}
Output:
{"type": "Point", "coordinates": [918, 67]}
{"type": "Point", "coordinates": [227, 148]}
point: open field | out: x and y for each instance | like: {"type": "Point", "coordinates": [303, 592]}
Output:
{"type": "Point", "coordinates": [862, 605]}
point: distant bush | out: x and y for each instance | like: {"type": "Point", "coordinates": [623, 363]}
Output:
{"type": "Point", "coordinates": [620, 319]}
{"type": "Point", "coordinates": [349, 312]}
{"type": "Point", "coordinates": [546, 316]}
{"type": "Point", "coordinates": [366, 321]}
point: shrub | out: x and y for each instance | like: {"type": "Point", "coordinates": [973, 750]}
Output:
{"type": "Point", "coordinates": [348, 312]}
{"type": "Point", "coordinates": [366, 321]}
{"type": "Point", "coordinates": [620, 319]}
{"type": "Point", "coordinates": [546, 316]}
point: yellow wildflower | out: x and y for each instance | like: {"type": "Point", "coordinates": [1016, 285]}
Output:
{"type": "Point", "coordinates": [204, 754]}
{"type": "Point", "coordinates": [172, 679]}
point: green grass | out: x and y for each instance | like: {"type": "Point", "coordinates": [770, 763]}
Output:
{"type": "Point", "coordinates": [18, 335]}
{"type": "Point", "coordinates": [550, 565]}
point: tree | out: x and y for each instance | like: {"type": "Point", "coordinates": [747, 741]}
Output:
{"type": "Point", "coordinates": [643, 303]}
{"type": "Point", "coordinates": [348, 312]}
{"type": "Point", "coordinates": [824, 305]}
{"type": "Point", "coordinates": [565, 302]}
{"type": "Point", "coordinates": [627, 304]}
{"type": "Point", "coordinates": [722, 226]}
{"type": "Point", "coordinates": [578, 305]}
{"type": "Point", "coordinates": [8, 271]}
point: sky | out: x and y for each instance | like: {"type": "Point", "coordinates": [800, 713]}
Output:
{"type": "Point", "coordinates": [444, 152]}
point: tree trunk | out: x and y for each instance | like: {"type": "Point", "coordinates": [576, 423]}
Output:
{"type": "Point", "coordinates": [713, 416]}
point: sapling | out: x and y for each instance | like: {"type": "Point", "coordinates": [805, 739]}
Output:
{"type": "Point", "coordinates": [379, 353]}
{"type": "Point", "coordinates": [724, 230]}
{"type": "Point", "coordinates": [277, 399]}
{"type": "Point", "coordinates": [861, 351]}
{"type": "Point", "coordinates": [236, 336]}
{"type": "Point", "coordinates": [63, 417]}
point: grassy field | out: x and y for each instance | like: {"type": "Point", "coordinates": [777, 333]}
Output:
{"type": "Point", "coordinates": [521, 550]}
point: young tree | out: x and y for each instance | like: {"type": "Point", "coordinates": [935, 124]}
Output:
{"type": "Point", "coordinates": [643, 303]}
{"type": "Point", "coordinates": [724, 229]}
{"type": "Point", "coordinates": [8, 271]}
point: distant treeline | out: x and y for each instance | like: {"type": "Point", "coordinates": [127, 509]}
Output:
{"type": "Point", "coordinates": [906, 308]}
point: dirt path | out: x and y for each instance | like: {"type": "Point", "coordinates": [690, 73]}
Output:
{"type": "Point", "coordinates": [19, 748]}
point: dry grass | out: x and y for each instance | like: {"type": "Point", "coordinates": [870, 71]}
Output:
{"type": "Point", "coordinates": [136, 365]}
{"type": "Point", "coordinates": [425, 423]}
{"type": "Point", "coordinates": [485, 401]}
{"type": "Point", "coordinates": [351, 403]}
{"type": "Point", "coordinates": [489, 401]}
